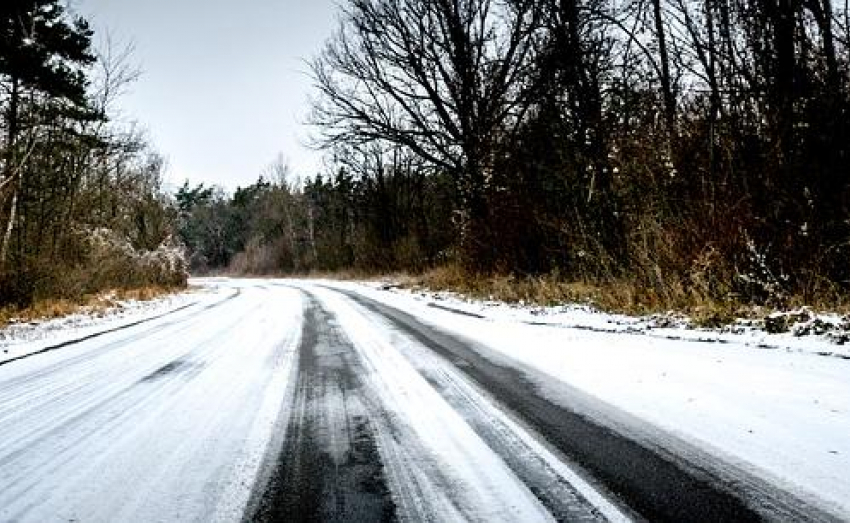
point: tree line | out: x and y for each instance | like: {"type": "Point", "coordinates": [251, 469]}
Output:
{"type": "Point", "coordinates": [396, 218]}
{"type": "Point", "coordinates": [81, 203]}
{"type": "Point", "coordinates": [696, 148]}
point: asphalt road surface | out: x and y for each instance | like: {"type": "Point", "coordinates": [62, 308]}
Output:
{"type": "Point", "coordinates": [291, 401]}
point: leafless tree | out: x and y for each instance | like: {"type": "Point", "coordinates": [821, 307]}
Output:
{"type": "Point", "coordinates": [447, 79]}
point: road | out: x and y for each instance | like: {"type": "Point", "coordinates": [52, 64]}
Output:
{"type": "Point", "coordinates": [292, 401]}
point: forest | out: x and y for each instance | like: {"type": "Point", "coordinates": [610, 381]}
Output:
{"type": "Point", "coordinates": [82, 208]}
{"type": "Point", "coordinates": [667, 152]}
{"type": "Point", "coordinates": [680, 151]}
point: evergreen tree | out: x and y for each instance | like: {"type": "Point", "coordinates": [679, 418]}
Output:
{"type": "Point", "coordinates": [41, 49]}
{"type": "Point", "coordinates": [42, 52]}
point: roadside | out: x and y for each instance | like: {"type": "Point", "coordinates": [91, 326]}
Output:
{"type": "Point", "coordinates": [798, 330]}
{"type": "Point", "coordinates": [547, 301]}
{"type": "Point", "coordinates": [42, 326]}
{"type": "Point", "coordinates": [101, 303]}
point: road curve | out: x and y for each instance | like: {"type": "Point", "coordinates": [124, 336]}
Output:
{"type": "Point", "coordinates": [289, 401]}
{"type": "Point", "coordinates": [164, 421]}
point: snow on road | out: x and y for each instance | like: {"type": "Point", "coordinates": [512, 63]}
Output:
{"type": "Point", "coordinates": [423, 422]}
{"type": "Point", "coordinates": [426, 430]}
{"type": "Point", "coordinates": [782, 414]}
{"type": "Point", "coordinates": [167, 421]}
{"type": "Point", "coordinates": [182, 414]}
{"type": "Point", "coordinates": [19, 340]}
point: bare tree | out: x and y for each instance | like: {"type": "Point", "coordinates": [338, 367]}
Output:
{"type": "Point", "coordinates": [446, 79]}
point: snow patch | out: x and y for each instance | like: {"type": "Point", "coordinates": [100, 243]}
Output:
{"type": "Point", "coordinates": [19, 339]}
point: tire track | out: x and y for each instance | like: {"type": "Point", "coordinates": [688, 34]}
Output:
{"type": "Point", "coordinates": [123, 327]}
{"type": "Point", "coordinates": [108, 405]}
{"type": "Point", "coordinates": [156, 428]}
{"type": "Point", "coordinates": [654, 482]}
{"type": "Point", "coordinates": [552, 482]}
{"type": "Point", "coordinates": [329, 468]}
{"type": "Point", "coordinates": [439, 469]}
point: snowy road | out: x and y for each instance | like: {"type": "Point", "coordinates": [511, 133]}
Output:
{"type": "Point", "coordinates": [292, 401]}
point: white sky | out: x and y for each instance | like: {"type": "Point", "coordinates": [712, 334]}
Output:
{"type": "Point", "coordinates": [224, 87]}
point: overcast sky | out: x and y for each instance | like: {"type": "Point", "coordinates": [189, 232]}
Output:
{"type": "Point", "coordinates": [224, 88]}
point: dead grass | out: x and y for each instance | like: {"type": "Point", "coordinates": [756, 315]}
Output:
{"type": "Point", "coordinates": [99, 303]}
{"type": "Point", "coordinates": [350, 274]}
{"type": "Point", "coordinates": [616, 295]}
{"type": "Point", "coordinates": [693, 295]}
{"type": "Point", "coordinates": [538, 290]}
{"type": "Point", "coordinates": [144, 293]}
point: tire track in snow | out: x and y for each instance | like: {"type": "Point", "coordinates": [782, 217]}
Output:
{"type": "Point", "coordinates": [168, 426]}
{"type": "Point", "coordinates": [655, 482]}
{"type": "Point", "coordinates": [27, 386]}
{"type": "Point", "coordinates": [98, 406]}
{"type": "Point", "coordinates": [77, 341]}
{"type": "Point", "coordinates": [439, 469]}
{"type": "Point", "coordinates": [545, 476]}
{"type": "Point", "coordinates": [329, 468]}
{"type": "Point", "coordinates": [566, 495]}
{"type": "Point", "coordinates": [99, 384]}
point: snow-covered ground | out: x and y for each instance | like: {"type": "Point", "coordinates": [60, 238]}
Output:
{"type": "Point", "coordinates": [172, 410]}
{"type": "Point", "coordinates": [21, 339]}
{"type": "Point", "coordinates": [167, 420]}
{"type": "Point", "coordinates": [776, 404]}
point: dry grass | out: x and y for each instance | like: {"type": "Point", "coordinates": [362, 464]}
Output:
{"type": "Point", "coordinates": [689, 297]}
{"type": "Point", "coordinates": [700, 293]}
{"type": "Point", "coordinates": [359, 275]}
{"type": "Point", "coordinates": [349, 274]}
{"type": "Point", "coordinates": [545, 290]}
{"type": "Point", "coordinates": [146, 293]}
{"type": "Point", "coordinates": [616, 295]}
{"type": "Point", "coordinates": [99, 303]}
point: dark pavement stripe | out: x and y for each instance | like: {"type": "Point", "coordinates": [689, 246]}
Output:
{"type": "Point", "coordinates": [329, 468]}
{"type": "Point", "coordinates": [650, 482]}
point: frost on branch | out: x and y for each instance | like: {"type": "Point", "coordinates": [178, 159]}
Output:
{"type": "Point", "coordinates": [113, 261]}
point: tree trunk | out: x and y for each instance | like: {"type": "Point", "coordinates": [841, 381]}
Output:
{"type": "Point", "coordinates": [10, 226]}
{"type": "Point", "coordinates": [785, 66]}
{"type": "Point", "coordinates": [11, 138]}
{"type": "Point", "coordinates": [12, 122]}
{"type": "Point", "coordinates": [822, 10]}
{"type": "Point", "coordinates": [666, 82]}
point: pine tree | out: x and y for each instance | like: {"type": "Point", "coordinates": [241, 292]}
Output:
{"type": "Point", "coordinates": [43, 54]}
{"type": "Point", "coordinates": [41, 49]}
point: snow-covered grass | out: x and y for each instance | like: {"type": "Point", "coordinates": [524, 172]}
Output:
{"type": "Point", "coordinates": [23, 337]}
{"type": "Point", "coordinates": [802, 330]}
{"type": "Point", "coordinates": [776, 404]}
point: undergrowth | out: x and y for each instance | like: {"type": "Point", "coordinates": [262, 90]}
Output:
{"type": "Point", "coordinates": [616, 295]}
{"type": "Point", "coordinates": [95, 304]}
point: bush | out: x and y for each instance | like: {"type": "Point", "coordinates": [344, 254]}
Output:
{"type": "Point", "coordinates": [16, 289]}
{"type": "Point", "coordinates": [112, 262]}
{"type": "Point", "coordinates": [95, 260]}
